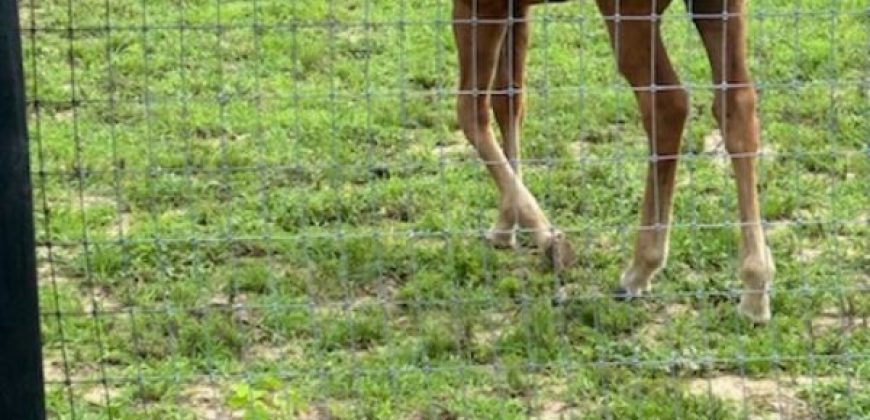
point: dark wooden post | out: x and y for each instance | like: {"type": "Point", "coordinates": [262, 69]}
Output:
{"type": "Point", "coordinates": [21, 385]}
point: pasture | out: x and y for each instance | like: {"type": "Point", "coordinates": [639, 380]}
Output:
{"type": "Point", "coordinates": [264, 209]}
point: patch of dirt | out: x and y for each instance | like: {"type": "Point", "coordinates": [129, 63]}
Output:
{"type": "Point", "coordinates": [557, 410]}
{"type": "Point", "coordinates": [89, 200]}
{"type": "Point", "coordinates": [52, 366]}
{"type": "Point", "coordinates": [454, 147]}
{"type": "Point", "coordinates": [206, 401]}
{"type": "Point", "coordinates": [47, 270]}
{"type": "Point", "coordinates": [808, 381]}
{"type": "Point", "coordinates": [714, 147]}
{"type": "Point", "coordinates": [63, 115]}
{"type": "Point", "coordinates": [847, 246]}
{"type": "Point", "coordinates": [124, 218]}
{"type": "Point", "coordinates": [578, 149]}
{"type": "Point", "coordinates": [674, 310]}
{"type": "Point", "coordinates": [223, 300]}
{"type": "Point", "coordinates": [101, 298]}
{"type": "Point", "coordinates": [551, 405]}
{"type": "Point", "coordinates": [491, 329]}
{"type": "Point", "coordinates": [649, 334]}
{"type": "Point", "coordinates": [239, 310]}
{"type": "Point", "coordinates": [765, 398]}
{"type": "Point", "coordinates": [202, 394]}
{"type": "Point", "coordinates": [381, 293]}
{"type": "Point", "coordinates": [806, 254]}
{"type": "Point", "coordinates": [568, 294]}
{"type": "Point", "coordinates": [552, 410]}
{"type": "Point", "coordinates": [455, 151]}
{"type": "Point", "coordinates": [315, 413]}
{"type": "Point", "coordinates": [120, 226]}
{"type": "Point", "coordinates": [262, 352]}
{"type": "Point", "coordinates": [52, 270]}
{"type": "Point", "coordinates": [273, 353]}
{"type": "Point", "coordinates": [54, 371]}
{"type": "Point", "coordinates": [831, 319]}
{"type": "Point", "coordinates": [97, 395]}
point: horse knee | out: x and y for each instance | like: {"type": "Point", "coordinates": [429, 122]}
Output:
{"type": "Point", "coordinates": [737, 119]}
{"type": "Point", "coordinates": [672, 105]}
{"type": "Point", "coordinates": [669, 109]}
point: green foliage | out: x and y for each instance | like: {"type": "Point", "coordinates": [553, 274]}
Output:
{"type": "Point", "coordinates": [284, 210]}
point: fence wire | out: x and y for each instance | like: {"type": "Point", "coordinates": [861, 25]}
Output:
{"type": "Point", "coordinates": [267, 209]}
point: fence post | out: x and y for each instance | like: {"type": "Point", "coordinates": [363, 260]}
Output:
{"type": "Point", "coordinates": [21, 385]}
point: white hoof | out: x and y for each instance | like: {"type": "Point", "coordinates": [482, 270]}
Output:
{"type": "Point", "coordinates": [501, 239]}
{"type": "Point", "coordinates": [633, 285]}
{"type": "Point", "coordinates": [755, 306]}
{"type": "Point", "coordinates": [757, 278]}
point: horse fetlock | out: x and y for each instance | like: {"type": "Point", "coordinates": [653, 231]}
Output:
{"type": "Point", "coordinates": [757, 275]}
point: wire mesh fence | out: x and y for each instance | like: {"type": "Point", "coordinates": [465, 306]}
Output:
{"type": "Point", "coordinates": [268, 209]}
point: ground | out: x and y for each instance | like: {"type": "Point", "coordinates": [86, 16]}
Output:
{"type": "Point", "coordinates": [263, 209]}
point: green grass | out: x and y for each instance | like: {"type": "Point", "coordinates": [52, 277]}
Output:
{"type": "Point", "coordinates": [229, 217]}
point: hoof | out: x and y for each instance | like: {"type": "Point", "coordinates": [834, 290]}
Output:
{"type": "Point", "coordinates": [636, 282]}
{"type": "Point", "coordinates": [501, 239]}
{"type": "Point", "coordinates": [559, 253]}
{"type": "Point", "coordinates": [755, 307]}
{"type": "Point", "coordinates": [621, 294]}
{"type": "Point", "coordinates": [625, 293]}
